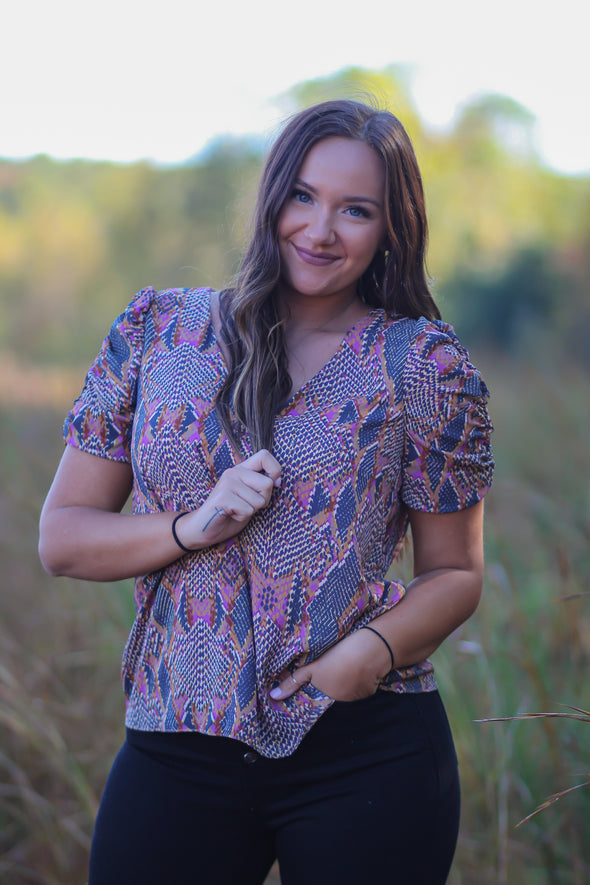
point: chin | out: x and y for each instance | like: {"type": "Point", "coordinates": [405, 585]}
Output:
{"type": "Point", "coordinates": [309, 289]}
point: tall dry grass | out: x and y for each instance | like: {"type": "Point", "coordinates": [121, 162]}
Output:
{"type": "Point", "coordinates": [60, 707]}
{"type": "Point", "coordinates": [526, 650]}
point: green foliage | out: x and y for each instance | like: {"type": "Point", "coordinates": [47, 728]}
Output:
{"type": "Point", "coordinates": [500, 306]}
{"type": "Point", "coordinates": [78, 239]}
{"type": "Point", "coordinates": [387, 88]}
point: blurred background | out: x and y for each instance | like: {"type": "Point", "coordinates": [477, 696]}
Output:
{"type": "Point", "coordinates": [130, 147]}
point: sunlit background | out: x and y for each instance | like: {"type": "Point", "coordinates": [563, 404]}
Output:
{"type": "Point", "coordinates": [124, 79]}
{"type": "Point", "coordinates": [131, 140]}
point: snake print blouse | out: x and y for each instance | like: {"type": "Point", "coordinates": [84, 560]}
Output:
{"type": "Point", "coordinates": [395, 419]}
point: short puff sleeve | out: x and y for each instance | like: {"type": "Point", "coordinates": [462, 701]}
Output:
{"type": "Point", "coordinates": [101, 419]}
{"type": "Point", "coordinates": [448, 463]}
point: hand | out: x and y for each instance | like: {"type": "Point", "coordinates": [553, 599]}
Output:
{"type": "Point", "coordinates": [241, 492]}
{"type": "Point", "coordinates": [349, 671]}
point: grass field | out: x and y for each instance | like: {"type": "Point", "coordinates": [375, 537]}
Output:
{"type": "Point", "coordinates": [526, 650]}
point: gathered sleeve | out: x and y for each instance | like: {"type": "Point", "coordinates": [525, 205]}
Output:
{"type": "Point", "coordinates": [101, 419]}
{"type": "Point", "coordinates": [448, 463]}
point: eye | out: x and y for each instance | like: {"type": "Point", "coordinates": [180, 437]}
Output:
{"type": "Point", "coordinates": [358, 212]}
{"type": "Point", "coordinates": [301, 196]}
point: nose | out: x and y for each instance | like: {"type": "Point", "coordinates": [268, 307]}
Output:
{"type": "Point", "coordinates": [320, 228]}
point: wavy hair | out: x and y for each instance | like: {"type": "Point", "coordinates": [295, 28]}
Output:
{"type": "Point", "coordinates": [258, 381]}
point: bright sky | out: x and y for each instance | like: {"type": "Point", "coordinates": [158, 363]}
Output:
{"type": "Point", "coordinates": [123, 79]}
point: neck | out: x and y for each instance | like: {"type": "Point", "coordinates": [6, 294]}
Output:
{"type": "Point", "coordinates": [321, 313]}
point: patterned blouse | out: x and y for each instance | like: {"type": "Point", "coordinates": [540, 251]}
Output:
{"type": "Point", "coordinates": [395, 419]}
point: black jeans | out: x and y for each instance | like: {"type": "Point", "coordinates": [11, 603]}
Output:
{"type": "Point", "coordinates": [370, 796]}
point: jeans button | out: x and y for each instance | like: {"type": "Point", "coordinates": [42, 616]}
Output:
{"type": "Point", "coordinates": [250, 757]}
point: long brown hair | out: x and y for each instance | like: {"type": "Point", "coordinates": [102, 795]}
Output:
{"type": "Point", "coordinates": [258, 381]}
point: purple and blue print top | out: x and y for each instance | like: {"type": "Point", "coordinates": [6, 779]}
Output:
{"type": "Point", "coordinates": [395, 419]}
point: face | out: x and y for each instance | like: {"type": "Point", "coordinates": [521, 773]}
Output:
{"type": "Point", "coordinates": [334, 220]}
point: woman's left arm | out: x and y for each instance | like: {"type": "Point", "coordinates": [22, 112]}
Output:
{"type": "Point", "coordinates": [448, 569]}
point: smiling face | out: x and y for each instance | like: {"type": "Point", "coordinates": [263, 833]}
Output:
{"type": "Point", "coordinates": [333, 222]}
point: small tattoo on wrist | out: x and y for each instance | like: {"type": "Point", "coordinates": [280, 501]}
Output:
{"type": "Point", "coordinates": [218, 511]}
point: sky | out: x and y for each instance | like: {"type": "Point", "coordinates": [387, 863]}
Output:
{"type": "Point", "coordinates": [125, 80]}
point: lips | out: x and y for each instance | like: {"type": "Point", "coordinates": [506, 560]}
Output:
{"type": "Point", "coordinates": [319, 259]}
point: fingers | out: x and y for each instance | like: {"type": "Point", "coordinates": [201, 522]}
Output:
{"type": "Point", "coordinates": [290, 683]}
{"type": "Point", "coordinates": [349, 670]}
{"type": "Point", "coordinates": [263, 462]}
{"type": "Point", "coordinates": [253, 482]}
{"type": "Point", "coordinates": [248, 487]}
{"type": "Point", "coordinates": [241, 492]}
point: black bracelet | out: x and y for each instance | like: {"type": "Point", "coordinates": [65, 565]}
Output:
{"type": "Point", "coordinates": [175, 536]}
{"type": "Point", "coordinates": [383, 639]}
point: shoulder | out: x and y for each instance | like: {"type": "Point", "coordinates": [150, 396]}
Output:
{"type": "Point", "coordinates": [419, 334]}
{"type": "Point", "coordinates": [425, 361]}
{"type": "Point", "coordinates": [437, 358]}
{"type": "Point", "coordinates": [168, 302]}
{"type": "Point", "coordinates": [435, 337]}
{"type": "Point", "coordinates": [156, 310]}
{"type": "Point", "coordinates": [407, 342]}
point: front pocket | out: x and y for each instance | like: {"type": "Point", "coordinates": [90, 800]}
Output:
{"type": "Point", "coordinates": [315, 694]}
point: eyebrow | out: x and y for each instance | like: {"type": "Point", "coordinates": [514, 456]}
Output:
{"type": "Point", "coordinates": [346, 198]}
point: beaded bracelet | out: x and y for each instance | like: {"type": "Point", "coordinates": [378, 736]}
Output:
{"type": "Point", "coordinates": [383, 639]}
{"type": "Point", "coordinates": [175, 536]}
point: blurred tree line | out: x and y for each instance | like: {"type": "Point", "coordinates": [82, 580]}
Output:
{"type": "Point", "coordinates": [507, 252]}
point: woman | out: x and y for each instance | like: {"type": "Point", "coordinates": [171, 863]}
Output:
{"type": "Point", "coordinates": [278, 437]}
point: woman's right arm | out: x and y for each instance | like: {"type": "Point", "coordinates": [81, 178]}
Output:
{"type": "Point", "coordinates": [83, 534]}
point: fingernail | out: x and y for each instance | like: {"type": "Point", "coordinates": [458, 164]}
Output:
{"type": "Point", "coordinates": [276, 693]}
{"type": "Point", "coordinates": [278, 482]}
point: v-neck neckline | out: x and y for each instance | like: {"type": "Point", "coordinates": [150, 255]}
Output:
{"type": "Point", "coordinates": [360, 325]}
